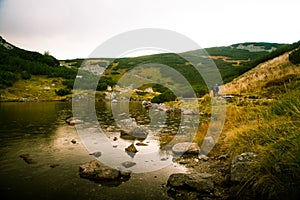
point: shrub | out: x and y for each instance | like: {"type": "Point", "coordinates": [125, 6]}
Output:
{"type": "Point", "coordinates": [164, 97]}
{"type": "Point", "coordinates": [294, 57]}
{"type": "Point", "coordinates": [25, 75]}
{"type": "Point", "coordinates": [63, 92]}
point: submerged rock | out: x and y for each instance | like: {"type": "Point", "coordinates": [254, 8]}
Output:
{"type": "Point", "coordinates": [28, 159]}
{"type": "Point", "coordinates": [186, 148]}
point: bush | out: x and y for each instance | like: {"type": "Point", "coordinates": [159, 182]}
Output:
{"type": "Point", "coordinates": [164, 97]}
{"type": "Point", "coordinates": [25, 75]}
{"type": "Point", "coordinates": [63, 92]}
{"type": "Point", "coordinates": [294, 57]}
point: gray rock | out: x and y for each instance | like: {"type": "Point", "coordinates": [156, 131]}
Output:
{"type": "Point", "coordinates": [128, 164]}
{"type": "Point", "coordinates": [203, 157]}
{"type": "Point", "coordinates": [200, 182]}
{"type": "Point", "coordinates": [186, 148]}
{"type": "Point", "coordinates": [240, 165]}
{"type": "Point", "coordinates": [96, 154]}
{"type": "Point", "coordinates": [95, 170]}
{"type": "Point", "coordinates": [189, 112]}
{"type": "Point", "coordinates": [207, 145]}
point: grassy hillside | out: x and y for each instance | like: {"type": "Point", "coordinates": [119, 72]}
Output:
{"type": "Point", "coordinates": [263, 117]}
{"type": "Point", "coordinates": [18, 65]}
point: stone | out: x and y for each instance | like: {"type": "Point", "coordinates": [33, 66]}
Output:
{"type": "Point", "coordinates": [207, 145]}
{"type": "Point", "coordinates": [240, 166]}
{"type": "Point", "coordinates": [146, 104]}
{"type": "Point", "coordinates": [203, 157]}
{"type": "Point", "coordinates": [97, 171]}
{"type": "Point", "coordinates": [186, 148]}
{"type": "Point", "coordinates": [97, 154]}
{"type": "Point", "coordinates": [28, 159]}
{"type": "Point", "coordinates": [141, 144]}
{"type": "Point", "coordinates": [73, 141]}
{"type": "Point", "coordinates": [73, 121]}
{"type": "Point", "coordinates": [189, 112]}
{"type": "Point", "coordinates": [139, 132]}
{"type": "Point", "coordinates": [200, 182]}
{"type": "Point", "coordinates": [131, 148]}
{"type": "Point", "coordinates": [128, 164]}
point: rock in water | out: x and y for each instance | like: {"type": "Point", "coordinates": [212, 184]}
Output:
{"type": "Point", "coordinates": [72, 121]}
{"type": "Point", "coordinates": [128, 164]}
{"type": "Point", "coordinates": [131, 148]}
{"type": "Point", "coordinates": [97, 171]}
{"type": "Point", "coordinates": [186, 148]}
{"type": "Point", "coordinates": [27, 158]}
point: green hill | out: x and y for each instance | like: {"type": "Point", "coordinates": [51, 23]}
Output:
{"type": "Point", "coordinates": [18, 66]}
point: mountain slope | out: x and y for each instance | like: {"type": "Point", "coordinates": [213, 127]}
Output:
{"type": "Point", "coordinates": [265, 75]}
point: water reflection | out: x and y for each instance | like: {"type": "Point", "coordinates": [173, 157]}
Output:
{"type": "Point", "coordinates": [39, 129]}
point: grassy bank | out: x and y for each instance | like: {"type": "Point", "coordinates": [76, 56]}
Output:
{"type": "Point", "coordinates": [269, 128]}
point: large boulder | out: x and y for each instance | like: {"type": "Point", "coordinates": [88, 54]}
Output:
{"type": "Point", "coordinates": [240, 166]}
{"type": "Point", "coordinates": [97, 171]}
{"type": "Point", "coordinates": [186, 148]}
{"type": "Point", "coordinates": [200, 182]}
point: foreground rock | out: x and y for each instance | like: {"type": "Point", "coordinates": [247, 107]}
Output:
{"type": "Point", "coordinates": [200, 182]}
{"type": "Point", "coordinates": [97, 171]}
{"type": "Point", "coordinates": [240, 166]}
{"type": "Point", "coordinates": [191, 186]}
{"type": "Point", "coordinates": [186, 148]}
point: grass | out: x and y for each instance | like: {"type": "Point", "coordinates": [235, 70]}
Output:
{"type": "Point", "coordinates": [39, 88]}
{"type": "Point", "coordinates": [271, 131]}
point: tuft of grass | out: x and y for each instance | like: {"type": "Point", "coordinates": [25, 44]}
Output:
{"type": "Point", "coordinates": [274, 135]}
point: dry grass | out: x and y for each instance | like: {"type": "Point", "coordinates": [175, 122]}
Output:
{"type": "Point", "coordinates": [255, 79]}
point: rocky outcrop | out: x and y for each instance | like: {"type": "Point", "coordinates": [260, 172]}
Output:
{"type": "Point", "coordinates": [240, 166]}
{"type": "Point", "coordinates": [186, 148]}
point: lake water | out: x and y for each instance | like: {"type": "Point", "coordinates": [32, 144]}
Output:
{"type": "Point", "coordinates": [40, 130]}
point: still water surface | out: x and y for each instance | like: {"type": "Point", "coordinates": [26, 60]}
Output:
{"type": "Point", "coordinates": [39, 129]}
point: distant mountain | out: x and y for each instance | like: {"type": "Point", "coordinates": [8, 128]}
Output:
{"type": "Point", "coordinates": [232, 61]}
{"type": "Point", "coordinates": [17, 63]}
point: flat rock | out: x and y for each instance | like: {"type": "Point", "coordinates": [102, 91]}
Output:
{"type": "Point", "coordinates": [200, 182]}
{"type": "Point", "coordinates": [186, 148]}
{"type": "Point", "coordinates": [128, 164]}
{"type": "Point", "coordinates": [95, 170]}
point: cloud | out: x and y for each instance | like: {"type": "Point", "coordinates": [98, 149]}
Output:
{"type": "Point", "coordinates": [74, 28]}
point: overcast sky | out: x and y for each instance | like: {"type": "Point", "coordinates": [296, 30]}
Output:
{"type": "Point", "coordinates": [74, 28]}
